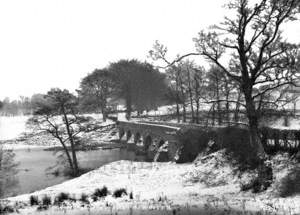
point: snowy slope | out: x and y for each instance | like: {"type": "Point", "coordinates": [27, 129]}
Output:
{"type": "Point", "coordinates": [209, 181]}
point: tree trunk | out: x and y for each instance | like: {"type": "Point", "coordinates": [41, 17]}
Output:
{"type": "Point", "coordinates": [213, 114]}
{"type": "Point", "coordinates": [227, 110]}
{"type": "Point", "coordinates": [75, 161]}
{"type": "Point", "coordinates": [253, 124]}
{"type": "Point", "coordinates": [128, 107]}
{"type": "Point", "coordinates": [104, 110]}
{"type": "Point", "coordinates": [197, 111]}
{"type": "Point", "coordinates": [56, 135]}
{"type": "Point", "coordinates": [73, 150]}
{"type": "Point", "coordinates": [184, 112]}
{"type": "Point", "coordinates": [104, 114]}
{"type": "Point", "coordinates": [183, 103]}
{"type": "Point", "coordinates": [197, 97]}
{"type": "Point", "coordinates": [227, 103]}
{"type": "Point", "coordinates": [192, 107]}
{"type": "Point", "coordinates": [218, 102]}
{"type": "Point", "coordinates": [191, 95]}
{"type": "Point", "coordinates": [177, 112]}
{"type": "Point", "coordinates": [237, 108]}
{"type": "Point", "coordinates": [68, 155]}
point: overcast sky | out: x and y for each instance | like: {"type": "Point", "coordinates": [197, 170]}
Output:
{"type": "Point", "coordinates": [55, 43]}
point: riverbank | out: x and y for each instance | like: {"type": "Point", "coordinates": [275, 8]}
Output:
{"type": "Point", "coordinates": [210, 183]}
{"type": "Point", "coordinates": [104, 137]}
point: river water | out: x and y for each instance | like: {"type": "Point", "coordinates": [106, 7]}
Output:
{"type": "Point", "coordinates": [33, 165]}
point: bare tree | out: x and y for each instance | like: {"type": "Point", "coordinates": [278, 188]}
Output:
{"type": "Point", "coordinates": [179, 89]}
{"type": "Point", "coordinates": [56, 114]}
{"type": "Point", "coordinates": [259, 54]}
{"type": "Point", "coordinates": [192, 79]}
{"type": "Point", "coordinates": [185, 80]}
{"type": "Point", "coordinates": [254, 40]}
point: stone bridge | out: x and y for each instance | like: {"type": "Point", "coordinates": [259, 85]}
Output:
{"type": "Point", "coordinates": [152, 137]}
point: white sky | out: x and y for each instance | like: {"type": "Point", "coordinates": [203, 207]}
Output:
{"type": "Point", "coordinates": [55, 43]}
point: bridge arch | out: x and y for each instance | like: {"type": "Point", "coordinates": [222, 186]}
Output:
{"type": "Point", "coordinates": [151, 135]}
{"type": "Point", "coordinates": [161, 142]}
{"type": "Point", "coordinates": [137, 137]}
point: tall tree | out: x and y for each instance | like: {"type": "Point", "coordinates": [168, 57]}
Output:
{"type": "Point", "coordinates": [261, 60]}
{"type": "Point", "coordinates": [56, 113]}
{"type": "Point", "coordinates": [139, 84]}
{"type": "Point", "coordinates": [95, 90]}
{"type": "Point", "coordinates": [186, 79]}
{"type": "Point", "coordinates": [179, 90]}
{"type": "Point", "coordinates": [221, 93]}
{"type": "Point", "coordinates": [254, 40]}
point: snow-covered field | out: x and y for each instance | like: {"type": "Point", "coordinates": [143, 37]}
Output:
{"type": "Point", "coordinates": [15, 135]}
{"type": "Point", "coordinates": [11, 127]}
{"type": "Point", "coordinates": [293, 124]}
{"type": "Point", "coordinates": [209, 182]}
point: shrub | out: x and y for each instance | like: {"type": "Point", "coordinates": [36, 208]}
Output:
{"type": "Point", "coordinates": [99, 193]}
{"type": "Point", "coordinates": [84, 198]}
{"type": "Point", "coordinates": [42, 207]}
{"type": "Point", "coordinates": [7, 209]}
{"type": "Point", "coordinates": [95, 198]}
{"type": "Point", "coordinates": [119, 193]}
{"type": "Point", "coordinates": [33, 200]}
{"type": "Point", "coordinates": [236, 142]}
{"type": "Point", "coordinates": [131, 195]}
{"type": "Point", "coordinates": [290, 185]}
{"type": "Point", "coordinates": [61, 197]}
{"type": "Point", "coordinates": [46, 200]}
{"type": "Point", "coordinates": [193, 142]}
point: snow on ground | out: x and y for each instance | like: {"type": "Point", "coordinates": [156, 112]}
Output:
{"type": "Point", "coordinates": [11, 127]}
{"type": "Point", "coordinates": [96, 116]}
{"type": "Point", "coordinates": [167, 109]}
{"type": "Point", "coordinates": [35, 139]}
{"type": "Point", "coordinates": [162, 110]}
{"type": "Point", "coordinates": [208, 182]}
{"type": "Point", "coordinates": [17, 146]}
{"type": "Point", "coordinates": [293, 124]}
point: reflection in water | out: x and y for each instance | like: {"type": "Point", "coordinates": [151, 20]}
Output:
{"type": "Point", "coordinates": [32, 173]}
{"type": "Point", "coordinates": [8, 172]}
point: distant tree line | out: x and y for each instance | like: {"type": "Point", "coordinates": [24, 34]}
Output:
{"type": "Point", "coordinates": [22, 106]}
{"type": "Point", "coordinates": [137, 85]}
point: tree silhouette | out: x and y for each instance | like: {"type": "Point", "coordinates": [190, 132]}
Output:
{"type": "Point", "coordinates": [56, 113]}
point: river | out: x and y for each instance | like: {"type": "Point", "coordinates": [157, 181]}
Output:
{"type": "Point", "coordinates": [32, 171]}
{"type": "Point", "coordinates": [33, 164]}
